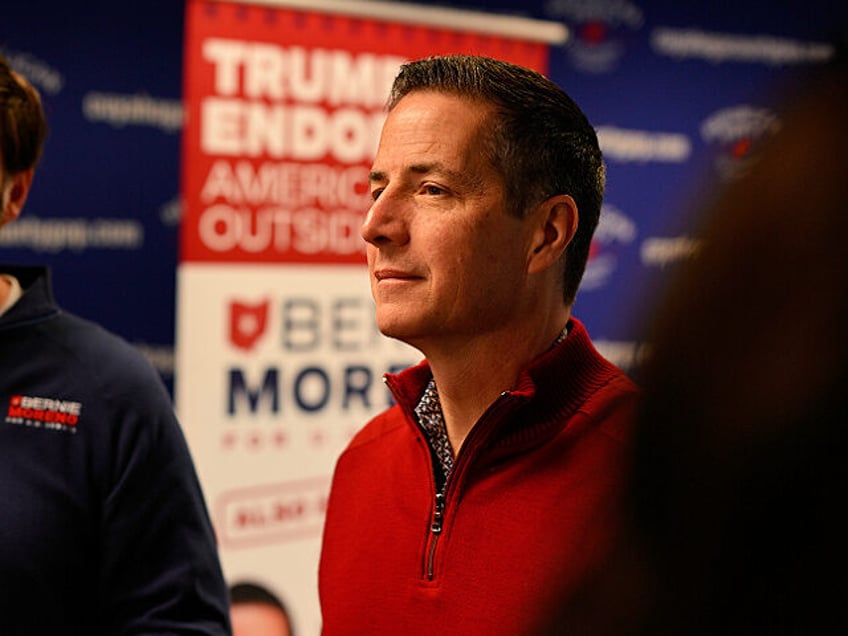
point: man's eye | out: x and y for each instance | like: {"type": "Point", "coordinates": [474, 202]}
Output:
{"type": "Point", "coordinates": [375, 194]}
{"type": "Point", "coordinates": [433, 190]}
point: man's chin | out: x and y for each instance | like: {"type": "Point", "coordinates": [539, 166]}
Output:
{"type": "Point", "coordinates": [402, 330]}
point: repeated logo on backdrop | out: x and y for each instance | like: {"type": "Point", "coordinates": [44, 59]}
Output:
{"type": "Point", "coordinates": [603, 29]}
{"type": "Point", "coordinates": [615, 231]}
{"type": "Point", "coordinates": [733, 133]}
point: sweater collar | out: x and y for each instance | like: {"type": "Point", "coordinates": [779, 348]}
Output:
{"type": "Point", "coordinates": [560, 379]}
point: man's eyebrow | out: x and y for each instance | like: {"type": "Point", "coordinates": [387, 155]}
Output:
{"type": "Point", "coordinates": [418, 168]}
{"type": "Point", "coordinates": [435, 166]}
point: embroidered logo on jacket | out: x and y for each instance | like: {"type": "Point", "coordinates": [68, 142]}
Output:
{"type": "Point", "coordinates": [39, 412]}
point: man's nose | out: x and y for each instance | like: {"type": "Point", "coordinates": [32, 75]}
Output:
{"type": "Point", "coordinates": [386, 221]}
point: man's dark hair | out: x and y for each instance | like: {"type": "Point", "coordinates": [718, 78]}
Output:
{"type": "Point", "coordinates": [541, 143]}
{"type": "Point", "coordinates": [23, 126]}
{"type": "Point", "coordinates": [250, 592]}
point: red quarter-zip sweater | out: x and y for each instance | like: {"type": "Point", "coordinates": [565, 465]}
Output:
{"type": "Point", "coordinates": [530, 509]}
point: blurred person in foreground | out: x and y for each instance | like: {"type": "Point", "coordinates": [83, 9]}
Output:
{"type": "Point", "coordinates": [741, 461]}
{"type": "Point", "coordinates": [740, 471]}
{"type": "Point", "coordinates": [104, 528]}
{"type": "Point", "coordinates": [497, 474]}
{"type": "Point", "coordinates": [257, 611]}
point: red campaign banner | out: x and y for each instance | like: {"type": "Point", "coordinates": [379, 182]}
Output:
{"type": "Point", "coordinates": [283, 113]}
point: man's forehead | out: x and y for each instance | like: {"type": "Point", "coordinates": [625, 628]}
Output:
{"type": "Point", "coordinates": [452, 155]}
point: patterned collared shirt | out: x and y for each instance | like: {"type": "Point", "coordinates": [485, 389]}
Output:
{"type": "Point", "coordinates": [432, 422]}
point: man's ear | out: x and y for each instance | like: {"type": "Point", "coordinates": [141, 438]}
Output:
{"type": "Point", "coordinates": [556, 220]}
{"type": "Point", "coordinates": [14, 194]}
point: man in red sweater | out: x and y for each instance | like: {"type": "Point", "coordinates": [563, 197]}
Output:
{"type": "Point", "coordinates": [489, 494]}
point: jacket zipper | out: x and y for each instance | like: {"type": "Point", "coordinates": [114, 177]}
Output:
{"type": "Point", "coordinates": [435, 532]}
{"type": "Point", "coordinates": [437, 519]}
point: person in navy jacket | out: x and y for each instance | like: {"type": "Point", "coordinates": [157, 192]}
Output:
{"type": "Point", "coordinates": [104, 528]}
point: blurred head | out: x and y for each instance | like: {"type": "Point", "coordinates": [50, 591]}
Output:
{"type": "Point", "coordinates": [739, 468]}
{"type": "Point", "coordinates": [23, 129]}
{"type": "Point", "coordinates": [256, 611]}
{"type": "Point", "coordinates": [741, 443]}
{"type": "Point", "coordinates": [537, 140]}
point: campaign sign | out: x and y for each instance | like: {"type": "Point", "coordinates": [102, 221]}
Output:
{"type": "Point", "coordinates": [279, 360]}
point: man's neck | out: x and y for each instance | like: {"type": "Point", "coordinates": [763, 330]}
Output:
{"type": "Point", "coordinates": [5, 288]}
{"type": "Point", "coordinates": [10, 292]}
{"type": "Point", "coordinates": [471, 375]}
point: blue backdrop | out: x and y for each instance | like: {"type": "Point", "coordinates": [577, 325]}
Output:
{"type": "Point", "coordinates": [678, 90]}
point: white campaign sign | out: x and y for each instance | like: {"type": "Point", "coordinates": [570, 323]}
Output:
{"type": "Point", "coordinates": [278, 366]}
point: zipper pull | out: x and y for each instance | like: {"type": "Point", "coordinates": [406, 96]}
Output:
{"type": "Point", "coordinates": [438, 514]}
{"type": "Point", "coordinates": [435, 531]}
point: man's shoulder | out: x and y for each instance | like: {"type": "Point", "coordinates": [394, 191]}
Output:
{"type": "Point", "coordinates": [620, 382]}
{"type": "Point", "coordinates": [90, 339]}
{"type": "Point", "coordinates": [614, 405]}
{"type": "Point", "coordinates": [106, 359]}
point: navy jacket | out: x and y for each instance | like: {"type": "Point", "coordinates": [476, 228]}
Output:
{"type": "Point", "coordinates": [103, 525]}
